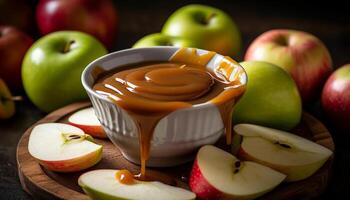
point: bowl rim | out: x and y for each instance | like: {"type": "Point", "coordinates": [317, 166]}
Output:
{"type": "Point", "coordinates": [108, 56]}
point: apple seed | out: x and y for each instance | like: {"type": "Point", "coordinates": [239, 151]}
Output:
{"type": "Point", "coordinates": [284, 145]}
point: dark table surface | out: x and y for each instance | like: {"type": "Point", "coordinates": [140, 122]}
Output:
{"type": "Point", "coordinates": [329, 21]}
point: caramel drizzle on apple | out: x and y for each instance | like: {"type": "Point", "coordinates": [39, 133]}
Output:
{"type": "Point", "coordinates": [148, 104]}
{"type": "Point", "coordinates": [125, 177]}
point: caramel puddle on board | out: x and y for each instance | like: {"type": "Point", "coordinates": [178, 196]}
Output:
{"type": "Point", "coordinates": [150, 92]}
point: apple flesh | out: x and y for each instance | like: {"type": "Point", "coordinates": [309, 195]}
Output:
{"type": "Point", "coordinates": [217, 174]}
{"type": "Point", "coordinates": [336, 97]}
{"type": "Point", "coordinates": [210, 28]}
{"type": "Point", "coordinates": [301, 54]}
{"type": "Point", "coordinates": [271, 98]}
{"type": "Point", "coordinates": [13, 46]}
{"type": "Point", "coordinates": [52, 68]}
{"type": "Point", "coordinates": [102, 184]}
{"type": "Point", "coordinates": [63, 148]}
{"type": "Point", "coordinates": [287, 153]}
{"type": "Point", "coordinates": [159, 39]}
{"type": "Point", "coordinates": [86, 120]}
{"type": "Point", "coordinates": [98, 18]}
{"type": "Point", "coordinates": [7, 106]}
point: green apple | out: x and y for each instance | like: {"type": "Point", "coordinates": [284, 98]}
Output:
{"type": "Point", "coordinates": [271, 99]}
{"type": "Point", "coordinates": [52, 68]}
{"type": "Point", "coordinates": [102, 185]}
{"type": "Point", "coordinates": [7, 106]}
{"type": "Point", "coordinates": [159, 39]}
{"type": "Point", "coordinates": [210, 28]}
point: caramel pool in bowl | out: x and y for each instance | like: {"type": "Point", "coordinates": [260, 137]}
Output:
{"type": "Point", "coordinates": [134, 100]}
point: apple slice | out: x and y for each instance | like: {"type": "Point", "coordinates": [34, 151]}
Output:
{"type": "Point", "coordinates": [287, 153]}
{"type": "Point", "coordinates": [88, 122]}
{"type": "Point", "coordinates": [217, 174]}
{"type": "Point", "coordinates": [63, 148]}
{"type": "Point", "coordinates": [102, 184]}
{"type": "Point", "coordinates": [7, 106]}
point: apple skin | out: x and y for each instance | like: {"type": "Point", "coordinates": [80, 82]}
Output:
{"type": "Point", "coordinates": [51, 77]}
{"type": "Point", "coordinates": [13, 46]}
{"type": "Point", "coordinates": [159, 39]}
{"type": "Point", "coordinates": [95, 131]}
{"type": "Point", "coordinates": [7, 106]}
{"type": "Point", "coordinates": [97, 195]}
{"type": "Point", "coordinates": [201, 186]}
{"type": "Point", "coordinates": [295, 173]}
{"type": "Point", "coordinates": [210, 28]}
{"type": "Point", "coordinates": [73, 165]}
{"type": "Point", "coordinates": [270, 94]}
{"type": "Point", "coordinates": [336, 97]}
{"type": "Point", "coordinates": [98, 18]}
{"type": "Point", "coordinates": [301, 54]}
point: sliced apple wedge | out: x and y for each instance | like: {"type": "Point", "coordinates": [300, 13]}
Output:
{"type": "Point", "coordinates": [102, 185]}
{"type": "Point", "coordinates": [88, 122]}
{"type": "Point", "coordinates": [217, 174]}
{"type": "Point", "coordinates": [63, 148]}
{"type": "Point", "coordinates": [287, 153]}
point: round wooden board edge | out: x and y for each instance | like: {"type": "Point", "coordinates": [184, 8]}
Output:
{"type": "Point", "coordinates": [39, 189]}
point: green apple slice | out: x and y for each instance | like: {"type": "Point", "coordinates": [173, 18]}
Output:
{"type": "Point", "coordinates": [103, 185]}
{"type": "Point", "coordinates": [290, 154]}
{"type": "Point", "coordinates": [63, 148]}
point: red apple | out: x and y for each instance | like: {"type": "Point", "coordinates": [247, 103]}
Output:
{"type": "Point", "coordinates": [217, 174]}
{"type": "Point", "coordinates": [17, 13]}
{"type": "Point", "coordinates": [301, 54]}
{"type": "Point", "coordinates": [88, 122]}
{"type": "Point", "coordinates": [13, 46]}
{"type": "Point", "coordinates": [336, 97]}
{"type": "Point", "coordinates": [98, 18]}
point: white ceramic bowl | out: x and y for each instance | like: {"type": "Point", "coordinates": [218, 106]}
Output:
{"type": "Point", "coordinates": [177, 136]}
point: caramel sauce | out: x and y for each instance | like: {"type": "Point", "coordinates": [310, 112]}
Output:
{"type": "Point", "coordinates": [125, 177]}
{"type": "Point", "coordinates": [150, 91]}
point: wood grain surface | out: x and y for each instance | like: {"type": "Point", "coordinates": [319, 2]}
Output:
{"type": "Point", "coordinates": [45, 184]}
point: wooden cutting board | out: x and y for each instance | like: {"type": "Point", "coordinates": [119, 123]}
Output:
{"type": "Point", "coordinates": [44, 184]}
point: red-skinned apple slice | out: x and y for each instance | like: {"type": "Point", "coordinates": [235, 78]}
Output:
{"type": "Point", "coordinates": [88, 122]}
{"type": "Point", "coordinates": [287, 153]}
{"type": "Point", "coordinates": [217, 174]}
{"type": "Point", "coordinates": [63, 148]}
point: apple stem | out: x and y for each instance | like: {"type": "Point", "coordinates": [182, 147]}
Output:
{"type": "Point", "coordinates": [206, 19]}
{"type": "Point", "coordinates": [211, 16]}
{"type": "Point", "coordinates": [68, 45]}
{"type": "Point", "coordinates": [16, 98]}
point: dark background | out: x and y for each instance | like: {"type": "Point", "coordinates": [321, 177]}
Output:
{"type": "Point", "coordinates": [329, 21]}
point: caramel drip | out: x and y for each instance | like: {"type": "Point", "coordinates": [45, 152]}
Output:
{"type": "Point", "coordinates": [190, 56]}
{"type": "Point", "coordinates": [233, 90]}
{"type": "Point", "coordinates": [125, 177]}
{"type": "Point", "coordinates": [150, 92]}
